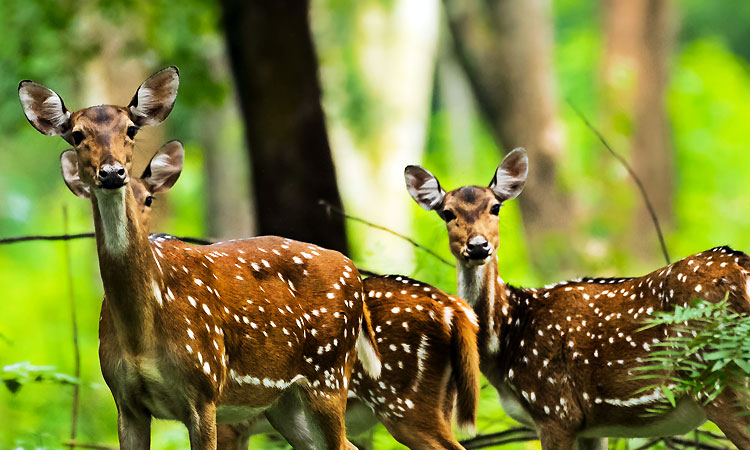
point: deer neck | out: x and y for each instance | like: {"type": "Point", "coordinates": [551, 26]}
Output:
{"type": "Point", "coordinates": [482, 287]}
{"type": "Point", "coordinates": [132, 284]}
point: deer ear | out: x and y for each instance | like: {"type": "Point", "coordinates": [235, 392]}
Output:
{"type": "Point", "coordinates": [43, 108]}
{"type": "Point", "coordinates": [154, 99]}
{"type": "Point", "coordinates": [69, 163]}
{"type": "Point", "coordinates": [510, 175]}
{"type": "Point", "coordinates": [423, 187]}
{"type": "Point", "coordinates": [164, 168]}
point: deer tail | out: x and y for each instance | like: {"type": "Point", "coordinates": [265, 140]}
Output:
{"type": "Point", "coordinates": [465, 367]}
{"type": "Point", "coordinates": [367, 350]}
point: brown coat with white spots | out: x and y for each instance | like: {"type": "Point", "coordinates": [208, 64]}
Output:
{"type": "Point", "coordinates": [563, 357]}
{"type": "Point", "coordinates": [428, 348]}
{"type": "Point", "coordinates": [200, 334]}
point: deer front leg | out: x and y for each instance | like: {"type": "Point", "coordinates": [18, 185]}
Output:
{"type": "Point", "coordinates": [202, 427]}
{"type": "Point", "coordinates": [133, 429]}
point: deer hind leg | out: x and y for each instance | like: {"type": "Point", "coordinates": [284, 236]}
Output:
{"type": "Point", "coordinates": [202, 427]}
{"type": "Point", "coordinates": [729, 412]}
{"type": "Point", "coordinates": [591, 444]}
{"type": "Point", "coordinates": [423, 429]}
{"type": "Point", "coordinates": [133, 429]}
{"type": "Point", "coordinates": [310, 421]}
{"type": "Point", "coordinates": [233, 437]}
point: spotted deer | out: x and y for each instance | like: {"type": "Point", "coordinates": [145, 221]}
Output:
{"type": "Point", "coordinates": [427, 342]}
{"type": "Point", "coordinates": [205, 334]}
{"type": "Point", "coordinates": [563, 358]}
{"type": "Point", "coordinates": [426, 339]}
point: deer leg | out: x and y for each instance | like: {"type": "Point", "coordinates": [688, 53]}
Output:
{"type": "Point", "coordinates": [591, 444]}
{"type": "Point", "coordinates": [729, 412]}
{"type": "Point", "coordinates": [202, 427]}
{"type": "Point", "coordinates": [328, 412]}
{"type": "Point", "coordinates": [294, 420]}
{"type": "Point", "coordinates": [423, 435]}
{"type": "Point", "coordinates": [233, 437]}
{"type": "Point", "coordinates": [133, 429]}
{"type": "Point", "coordinates": [555, 438]}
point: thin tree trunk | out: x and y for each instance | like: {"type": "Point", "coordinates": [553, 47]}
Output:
{"type": "Point", "coordinates": [639, 38]}
{"type": "Point", "coordinates": [505, 49]}
{"type": "Point", "coordinates": [276, 73]}
{"type": "Point", "coordinates": [228, 202]}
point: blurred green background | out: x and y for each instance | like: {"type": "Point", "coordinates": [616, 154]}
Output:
{"type": "Point", "coordinates": [394, 94]}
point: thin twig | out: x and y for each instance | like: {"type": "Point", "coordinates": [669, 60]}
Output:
{"type": "Point", "coordinates": [89, 446]}
{"type": "Point", "coordinates": [68, 237]}
{"type": "Point", "coordinates": [63, 237]}
{"type": "Point", "coordinates": [74, 325]}
{"type": "Point", "coordinates": [698, 445]}
{"type": "Point", "coordinates": [500, 438]}
{"type": "Point", "coordinates": [648, 444]}
{"type": "Point", "coordinates": [637, 180]}
{"type": "Point", "coordinates": [329, 207]}
{"type": "Point", "coordinates": [714, 436]}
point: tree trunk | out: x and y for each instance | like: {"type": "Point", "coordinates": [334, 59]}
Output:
{"type": "Point", "coordinates": [276, 73]}
{"type": "Point", "coordinates": [505, 49]}
{"type": "Point", "coordinates": [228, 202]}
{"type": "Point", "coordinates": [639, 38]}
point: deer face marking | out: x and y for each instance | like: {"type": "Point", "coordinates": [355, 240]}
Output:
{"type": "Point", "coordinates": [102, 136]}
{"type": "Point", "coordinates": [471, 212]}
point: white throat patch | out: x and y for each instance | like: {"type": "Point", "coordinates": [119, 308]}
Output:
{"type": "Point", "coordinates": [114, 221]}
{"type": "Point", "coordinates": [470, 281]}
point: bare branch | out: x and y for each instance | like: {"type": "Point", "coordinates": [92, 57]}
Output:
{"type": "Point", "coordinates": [632, 174]}
{"type": "Point", "coordinates": [330, 208]}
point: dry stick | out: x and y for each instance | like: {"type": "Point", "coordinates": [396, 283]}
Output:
{"type": "Point", "coordinates": [632, 174]}
{"type": "Point", "coordinates": [74, 323]}
{"type": "Point", "coordinates": [329, 207]}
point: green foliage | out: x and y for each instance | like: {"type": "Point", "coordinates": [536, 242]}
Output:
{"type": "Point", "coordinates": [707, 351]}
{"type": "Point", "coordinates": [15, 376]}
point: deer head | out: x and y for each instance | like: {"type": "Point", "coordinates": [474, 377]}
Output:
{"type": "Point", "coordinates": [160, 175]}
{"type": "Point", "coordinates": [102, 136]}
{"type": "Point", "coordinates": [471, 212]}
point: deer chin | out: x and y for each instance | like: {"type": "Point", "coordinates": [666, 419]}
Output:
{"type": "Point", "coordinates": [468, 261]}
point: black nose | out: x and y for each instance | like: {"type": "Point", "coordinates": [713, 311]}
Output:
{"type": "Point", "coordinates": [112, 176]}
{"type": "Point", "coordinates": [478, 248]}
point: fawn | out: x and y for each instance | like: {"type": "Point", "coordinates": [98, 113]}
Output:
{"type": "Point", "coordinates": [563, 357]}
{"type": "Point", "coordinates": [205, 334]}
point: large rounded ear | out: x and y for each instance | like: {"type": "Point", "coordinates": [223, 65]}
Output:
{"type": "Point", "coordinates": [154, 99]}
{"type": "Point", "coordinates": [69, 163]}
{"type": "Point", "coordinates": [423, 187]}
{"type": "Point", "coordinates": [43, 108]}
{"type": "Point", "coordinates": [164, 168]}
{"type": "Point", "coordinates": [510, 175]}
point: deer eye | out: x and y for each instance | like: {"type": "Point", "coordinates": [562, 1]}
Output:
{"type": "Point", "coordinates": [77, 137]}
{"type": "Point", "coordinates": [448, 215]}
{"type": "Point", "coordinates": [132, 131]}
{"type": "Point", "coordinates": [495, 210]}
{"type": "Point", "coordinates": [149, 200]}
